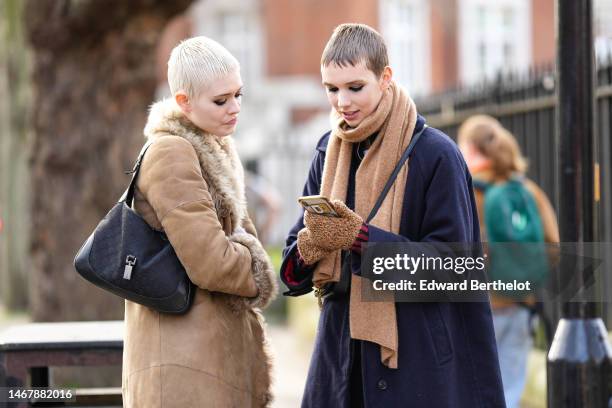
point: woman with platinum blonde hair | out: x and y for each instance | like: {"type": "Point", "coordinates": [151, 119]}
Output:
{"type": "Point", "coordinates": [191, 186]}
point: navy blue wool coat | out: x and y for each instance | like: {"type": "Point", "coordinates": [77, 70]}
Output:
{"type": "Point", "coordinates": [447, 351]}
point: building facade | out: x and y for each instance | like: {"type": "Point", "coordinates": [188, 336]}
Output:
{"type": "Point", "coordinates": [434, 46]}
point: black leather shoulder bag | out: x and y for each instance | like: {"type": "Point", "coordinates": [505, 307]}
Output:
{"type": "Point", "coordinates": [128, 258]}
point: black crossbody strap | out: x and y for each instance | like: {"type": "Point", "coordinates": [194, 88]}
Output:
{"type": "Point", "coordinates": [128, 195]}
{"type": "Point", "coordinates": [393, 176]}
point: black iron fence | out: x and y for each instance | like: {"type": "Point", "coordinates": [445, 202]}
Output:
{"type": "Point", "coordinates": [526, 105]}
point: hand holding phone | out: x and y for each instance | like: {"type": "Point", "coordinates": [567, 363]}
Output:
{"type": "Point", "coordinates": [319, 205]}
{"type": "Point", "coordinates": [329, 225]}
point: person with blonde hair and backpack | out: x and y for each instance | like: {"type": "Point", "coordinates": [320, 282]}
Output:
{"type": "Point", "coordinates": [511, 209]}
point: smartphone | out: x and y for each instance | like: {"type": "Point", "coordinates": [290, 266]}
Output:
{"type": "Point", "coordinates": [318, 205]}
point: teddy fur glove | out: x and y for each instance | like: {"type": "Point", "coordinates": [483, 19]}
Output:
{"type": "Point", "coordinates": [309, 252]}
{"type": "Point", "coordinates": [333, 233]}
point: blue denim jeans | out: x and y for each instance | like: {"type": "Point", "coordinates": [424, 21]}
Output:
{"type": "Point", "coordinates": [514, 342]}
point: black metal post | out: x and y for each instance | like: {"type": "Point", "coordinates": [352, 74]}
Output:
{"type": "Point", "coordinates": [580, 358]}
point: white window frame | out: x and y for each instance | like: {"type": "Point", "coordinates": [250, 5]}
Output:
{"type": "Point", "coordinates": [496, 36]}
{"type": "Point", "coordinates": [603, 28]}
{"type": "Point", "coordinates": [245, 44]}
{"type": "Point", "coordinates": [408, 39]}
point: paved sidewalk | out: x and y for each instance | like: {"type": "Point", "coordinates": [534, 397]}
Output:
{"type": "Point", "coordinates": [291, 357]}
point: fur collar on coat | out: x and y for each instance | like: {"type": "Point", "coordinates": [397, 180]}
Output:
{"type": "Point", "coordinates": [220, 164]}
{"type": "Point", "coordinates": [222, 170]}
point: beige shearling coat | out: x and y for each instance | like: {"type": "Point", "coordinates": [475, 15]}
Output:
{"type": "Point", "coordinates": [191, 186]}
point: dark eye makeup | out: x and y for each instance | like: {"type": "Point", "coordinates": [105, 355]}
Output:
{"type": "Point", "coordinates": [221, 102]}
{"type": "Point", "coordinates": [353, 88]}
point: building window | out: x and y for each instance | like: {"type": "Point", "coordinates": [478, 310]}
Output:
{"type": "Point", "coordinates": [405, 26]}
{"type": "Point", "coordinates": [495, 36]}
{"type": "Point", "coordinates": [482, 17]}
{"type": "Point", "coordinates": [508, 54]}
{"type": "Point", "coordinates": [482, 58]}
{"type": "Point", "coordinates": [236, 24]}
{"type": "Point", "coordinates": [507, 17]}
{"type": "Point", "coordinates": [603, 28]}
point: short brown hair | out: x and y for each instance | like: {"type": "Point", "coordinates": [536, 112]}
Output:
{"type": "Point", "coordinates": [350, 44]}
{"type": "Point", "coordinates": [495, 142]}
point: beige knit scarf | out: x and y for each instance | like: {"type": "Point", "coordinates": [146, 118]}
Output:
{"type": "Point", "coordinates": [394, 119]}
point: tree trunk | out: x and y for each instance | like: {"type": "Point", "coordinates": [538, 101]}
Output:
{"type": "Point", "coordinates": [94, 76]}
{"type": "Point", "coordinates": [14, 86]}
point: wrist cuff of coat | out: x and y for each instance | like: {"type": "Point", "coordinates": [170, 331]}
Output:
{"type": "Point", "coordinates": [261, 267]}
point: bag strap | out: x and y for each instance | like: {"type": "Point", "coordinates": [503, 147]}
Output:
{"type": "Point", "coordinates": [394, 174]}
{"type": "Point", "coordinates": [128, 195]}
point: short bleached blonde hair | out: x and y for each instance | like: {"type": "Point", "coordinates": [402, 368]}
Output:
{"type": "Point", "coordinates": [196, 62]}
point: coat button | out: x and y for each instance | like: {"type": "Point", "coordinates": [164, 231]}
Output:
{"type": "Point", "coordinates": [382, 385]}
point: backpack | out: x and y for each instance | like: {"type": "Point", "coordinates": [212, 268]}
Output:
{"type": "Point", "coordinates": [517, 250]}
